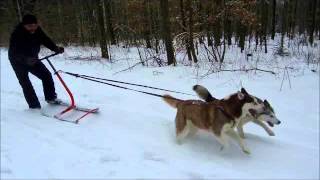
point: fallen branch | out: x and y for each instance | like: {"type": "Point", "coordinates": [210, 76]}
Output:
{"type": "Point", "coordinates": [129, 68]}
{"type": "Point", "coordinates": [141, 62]}
{"type": "Point", "coordinates": [246, 70]}
{"type": "Point", "coordinates": [80, 58]}
{"type": "Point", "coordinates": [235, 70]}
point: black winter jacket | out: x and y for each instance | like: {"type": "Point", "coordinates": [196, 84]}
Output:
{"type": "Point", "coordinates": [24, 45]}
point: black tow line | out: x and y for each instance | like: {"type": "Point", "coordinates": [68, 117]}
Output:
{"type": "Point", "coordinates": [102, 81]}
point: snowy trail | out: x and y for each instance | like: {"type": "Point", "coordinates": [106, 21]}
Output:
{"type": "Point", "coordinates": [133, 135]}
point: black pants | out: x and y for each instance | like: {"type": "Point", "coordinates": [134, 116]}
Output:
{"type": "Point", "coordinates": [41, 72]}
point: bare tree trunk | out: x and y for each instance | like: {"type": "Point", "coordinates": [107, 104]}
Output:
{"type": "Point", "coordinates": [81, 22]}
{"type": "Point", "coordinates": [109, 23]}
{"type": "Point", "coordinates": [294, 19]}
{"type": "Point", "coordinates": [208, 26]}
{"type": "Point", "coordinates": [184, 29]}
{"type": "Point", "coordinates": [201, 20]}
{"type": "Point", "coordinates": [79, 37]}
{"type": "Point", "coordinates": [19, 11]}
{"type": "Point", "coordinates": [28, 6]}
{"type": "Point", "coordinates": [284, 26]}
{"type": "Point", "coordinates": [242, 36]}
{"type": "Point", "coordinates": [313, 23]}
{"type": "Point", "coordinates": [166, 32]}
{"type": "Point", "coordinates": [265, 24]}
{"type": "Point", "coordinates": [274, 7]}
{"type": "Point", "coordinates": [24, 7]}
{"type": "Point", "coordinates": [227, 26]}
{"type": "Point", "coordinates": [190, 36]}
{"type": "Point", "coordinates": [146, 28]}
{"type": "Point", "coordinates": [217, 34]}
{"type": "Point", "coordinates": [318, 21]}
{"type": "Point", "coordinates": [61, 38]}
{"type": "Point", "coordinates": [103, 42]}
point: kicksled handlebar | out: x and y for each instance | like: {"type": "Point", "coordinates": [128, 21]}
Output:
{"type": "Point", "coordinates": [47, 57]}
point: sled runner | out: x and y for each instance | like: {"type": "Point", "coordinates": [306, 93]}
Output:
{"type": "Point", "coordinates": [72, 116]}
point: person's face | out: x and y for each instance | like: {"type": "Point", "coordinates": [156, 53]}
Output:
{"type": "Point", "coordinates": [31, 28]}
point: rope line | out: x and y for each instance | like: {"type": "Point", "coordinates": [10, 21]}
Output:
{"type": "Point", "coordinates": [122, 87]}
{"type": "Point", "coordinates": [100, 80]}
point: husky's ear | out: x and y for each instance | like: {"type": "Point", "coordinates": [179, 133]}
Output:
{"type": "Point", "coordinates": [240, 95]}
{"type": "Point", "coordinates": [253, 113]}
{"type": "Point", "coordinates": [244, 91]}
{"type": "Point", "coordinates": [266, 103]}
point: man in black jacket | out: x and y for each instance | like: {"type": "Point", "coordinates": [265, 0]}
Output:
{"type": "Point", "coordinates": [23, 53]}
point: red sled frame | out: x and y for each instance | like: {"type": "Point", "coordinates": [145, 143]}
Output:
{"type": "Point", "coordinates": [72, 105]}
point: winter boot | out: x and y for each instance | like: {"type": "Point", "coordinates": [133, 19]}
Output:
{"type": "Point", "coordinates": [54, 101]}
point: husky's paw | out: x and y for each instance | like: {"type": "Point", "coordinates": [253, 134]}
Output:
{"type": "Point", "coordinates": [178, 141]}
{"type": "Point", "coordinates": [242, 135]}
{"type": "Point", "coordinates": [271, 133]}
{"type": "Point", "coordinates": [246, 150]}
{"type": "Point", "coordinates": [224, 148]}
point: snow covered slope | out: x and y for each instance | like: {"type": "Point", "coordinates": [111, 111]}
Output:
{"type": "Point", "coordinates": [134, 135]}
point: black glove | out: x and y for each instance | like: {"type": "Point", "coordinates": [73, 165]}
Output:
{"type": "Point", "coordinates": [59, 50]}
{"type": "Point", "coordinates": [31, 61]}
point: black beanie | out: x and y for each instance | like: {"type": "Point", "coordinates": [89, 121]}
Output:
{"type": "Point", "coordinates": [29, 19]}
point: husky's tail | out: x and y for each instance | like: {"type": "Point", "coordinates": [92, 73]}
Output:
{"type": "Point", "coordinates": [173, 102]}
{"type": "Point", "coordinates": [203, 93]}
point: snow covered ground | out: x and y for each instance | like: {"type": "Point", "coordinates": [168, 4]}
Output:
{"type": "Point", "coordinates": [133, 136]}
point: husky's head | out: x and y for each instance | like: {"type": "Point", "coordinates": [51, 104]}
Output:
{"type": "Point", "coordinates": [267, 114]}
{"type": "Point", "coordinates": [248, 105]}
{"type": "Point", "coordinates": [260, 110]}
{"type": "Point", "coordinates": [252, 105]}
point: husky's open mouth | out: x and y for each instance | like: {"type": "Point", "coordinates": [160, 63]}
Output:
{"type": "Point", "coordinates": [270, 124]}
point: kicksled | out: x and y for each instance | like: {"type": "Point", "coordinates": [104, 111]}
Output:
{"type": "Point", "coordinates": [63, 111]}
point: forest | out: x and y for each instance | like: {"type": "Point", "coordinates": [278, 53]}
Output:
{"type": "Point", "coordinates": [170, 25]}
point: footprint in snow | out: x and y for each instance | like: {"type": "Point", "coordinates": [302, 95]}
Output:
{"type": "Point", "coordinates": [152, 157]}
{"type": "Point", "coordinates": [13, 93]}
{"type": "Point", "coordinates": [193, 175]}
{"type": "Point", "coordinates": [5, 170]}
{"type": "Point", "coordinates": [109, 158]}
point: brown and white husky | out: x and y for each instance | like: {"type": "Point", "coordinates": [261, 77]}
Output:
{"type": "Point", "coordinates": [214, 117]}
{"type": "Point", "coordinates": [266, 115]}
